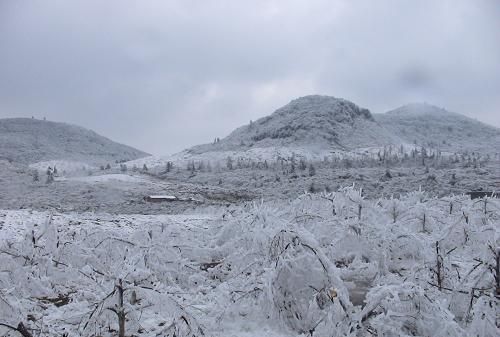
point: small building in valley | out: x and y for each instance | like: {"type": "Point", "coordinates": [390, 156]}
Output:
{"type": "Point", "coordinates": [160, 198]}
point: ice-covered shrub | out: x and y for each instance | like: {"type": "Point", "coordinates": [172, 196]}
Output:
{"type": "Point", "coordinates": [299, 263]}
{"type": "Point", "coordinates": [303, 287]}
{"type": "Point", "coordinates": [407, 310]}
{"type": "Point", "coordinates": [484, 317]}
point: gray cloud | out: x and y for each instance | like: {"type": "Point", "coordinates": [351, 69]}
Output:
{"type": "Point", "coordinates": [164, 75]}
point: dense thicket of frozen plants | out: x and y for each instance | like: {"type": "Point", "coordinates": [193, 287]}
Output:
{"type": "Point", "coordinates": [326, 264]}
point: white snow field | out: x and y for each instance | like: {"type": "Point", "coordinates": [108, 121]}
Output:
{"type": "Point", "coordinates": [63, 166]}
{"type": "Point", "coordinates": [104, 178]}
{"type": "Point", "coordinates": [325, 264]}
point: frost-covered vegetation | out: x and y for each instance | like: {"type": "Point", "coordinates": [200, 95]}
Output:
{"type": "Point", "coordinates": [388, 171]}
{"type": "Point", "coordinates": [385, 171]}
{"type": "Point", "coordinates": [324, 264]}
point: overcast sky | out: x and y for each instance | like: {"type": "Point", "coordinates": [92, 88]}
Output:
{"type": "Point", "coordinates": [165, 75]}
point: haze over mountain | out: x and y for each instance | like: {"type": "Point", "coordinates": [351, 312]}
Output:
{"type": "Point", "coordinates": [27, 141]}
{"type": "Point", "coordinates": [426, 124]}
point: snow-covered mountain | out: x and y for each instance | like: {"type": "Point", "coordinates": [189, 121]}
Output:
{"type": "Point", "coordinates": [27, 141]}
{"type": "Point", "coordinates": [425, 124]}
{"type": "Point", "coordinates": [315, 127]}
{"type": "Point", "coordinates": [314, 121]}
{"type": "Point", "coordinates": [312, 127]}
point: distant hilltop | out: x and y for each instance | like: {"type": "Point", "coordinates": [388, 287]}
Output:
{"type": "Point", "coordinates": [426, 124]}
{"type": "Point", "coordinates": [310, 121]}
{"type": "Point", "coordinates": [29, 140]}
{"type": "Point", "coordinates": [326, 122]}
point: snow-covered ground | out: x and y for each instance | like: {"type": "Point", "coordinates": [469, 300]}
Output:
{"type": "Point", "coordinates": [329, 264]}
{"type": "Point", "coordinates": [118, 192]}
{"type": "Point", "coordinates": [104, 178]}
{"type": "Point", "coordinates": [64, 167]}
{"type": "Point", "coordinates": [261, 154]}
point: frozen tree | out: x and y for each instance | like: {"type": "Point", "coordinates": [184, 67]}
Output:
{"type": "Point", "coordinates": [304, 288]}
{"type": "Point", "coordinates": [169, 166]}
{"type": "Point", "coordinates": [201, 166]}
{"type": "Point", "coordinates": [302, 164]}
{"type": "Point", "coordinates": [229, 163]}
{"type": "Point", "coordinates": [50, 175]}
{"type": "Point", "coordinates": [312, 170]}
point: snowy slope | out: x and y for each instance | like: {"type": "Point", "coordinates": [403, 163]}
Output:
{"type": "Point", "coordinates": [426, 124]}
{"type": "Point", "coordinates": [28, 141]}
{"type": "Point", "coordinates": [256, 154]}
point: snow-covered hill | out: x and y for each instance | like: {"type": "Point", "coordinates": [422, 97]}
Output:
{"type": "Point", "coordinates": [314, 121]}
{"type": "Point", "coordinates": [29, 141]}
{"type": "Point", "coordinates": [311, 127]}
{"type": "Point", "coordinates": [428, 125]}
{"type": "Point", "coordinates": [318, 127]}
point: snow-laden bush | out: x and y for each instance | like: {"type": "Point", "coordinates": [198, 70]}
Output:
{"type": "Point", "coordinates": [304, 287]}
{"type": "Point", "coordinates": [330, 264]}
{"type": "Point", "coordinates": [484, 314]}
{"type": "Point", "coordinates": [407, 310]}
